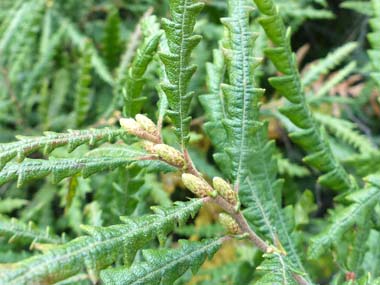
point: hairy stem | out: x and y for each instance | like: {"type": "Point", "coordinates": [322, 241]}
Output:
{"type": "Point", "coordinates": [229, 208]}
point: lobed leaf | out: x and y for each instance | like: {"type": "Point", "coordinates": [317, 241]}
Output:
{"type": "Point", "coordinates": [346, 131]}
{"type": "Point", "coordinates": [276, 270]}
{"type": "Point", "coordinates": [332, 60]}
{"type": "Point", "coordinates": [29, 233]}
{"type": "Point", "coordinates": [362, 203]}
{"type": "Point", "coordinates": [181, 41]}
{"type": "Point", "coordinates": [132, 79]}
{"type": "Point", "coordinates": [82, 100]}
{"type": "Point", "coordinates": [99, 249]}
{"type": "Point", "coordinates": [374, 40]}
{"type": "Point", "coordinates": [163, 266]}
{"type": "Point", "coordinates": [310, 136]}
{"type": "Point", "coordinates": [51, 141]}
{"type": "Point", "coordinates": [61, 168]}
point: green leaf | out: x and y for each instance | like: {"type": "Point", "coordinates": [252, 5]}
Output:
{"type": "Point", "coordinates": [42, 66]}
{"type": "Point", "coordinates": [51, 141]}
{"type": "Point", "coordinates": [346, 131]}
{"type": "Point", "coordinates": [241, 96]}
{"type": "Point", "coordinates": [82, 100]}
{"type": "Point", "coordinates": [332, 60]}
{"type": "Point", "coordinates": [60, 168]}
{"type": "Point", "coordinates": [309, 136]}
{"type": "Point", "coordinates": [80, 41]}
{"type": "Point", "coordinates": [362, 202]}
{"type": "Point", "coordinates": [276, 270]}
{"type": "Point", "coordinates": [374, 40]}
{"type": "Point", "coordinates": [215, 106]}
{"type": "Point", "coordinates": [111, 40]}
{"type": "Point", "coordinates": [100, 249]}
{"type": "Point", "coordinates": [181, 41]}
{"type": "Point", "coordinates": [11, 204]}
{"type": "Point", "coordinates": [132, 79]}
{"type": "Point", "coordinates": [27, 233]}
{"type": "Point", "coordinates": [163, 266]}
{"type": "Point", "coordinates": [285, 166]}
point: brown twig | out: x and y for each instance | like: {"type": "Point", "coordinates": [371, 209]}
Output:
{"type": "Point", "coordinates": [230, 209]}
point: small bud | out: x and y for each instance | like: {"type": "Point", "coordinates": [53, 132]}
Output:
{"type": "Point", "coordinates": [197, 185]}
{"type": "Point", "coordinates": [229, 223]}
{"type": "Point", "coordinates": [147, 124]}
{"type": "Point", "coordinates": [131, 126]}
{"type": "Point", "coordinates": [135, 128]}
{"type": "Point", "coordinates": [170, 155]}
{"type": "Point", "coordinates": [224, 189]}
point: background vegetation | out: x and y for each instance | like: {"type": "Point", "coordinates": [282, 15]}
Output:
{"type": "Point", "coordinates": [82, 65]}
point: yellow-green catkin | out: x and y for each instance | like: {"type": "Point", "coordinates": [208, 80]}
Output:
{"type": "Point", "coordinates": [229, 223]}
{"type": "Point", "coordinates": [170, 155]}
{"type": "Point", "coordinates": [131, 126]}
{"type": "Point", "coordinates": [147, 124]}
{"type": "Point", "coordinates": [197, 185]}
{"type": "Point", "coordinates": [224, 189]}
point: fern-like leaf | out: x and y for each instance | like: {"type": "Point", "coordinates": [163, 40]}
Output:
{"type": "Point", "coordinates": [241, 95]}
{"type": "Point", "coordinates": [247, 150]}
{"type": "Point", "coordinates": [346, 131]}
{"type": "Point", "coordinates": [362, 203]}
{"type": "Point", "coordinates": [374, 39]}
{"type": "Point", "coordinates": [100, 249]}
{"type": "Point", "coordinates": [364, 164]}
{"type": "Point", "coordinates": [285, 166]}
{"type": "Point", "coordinates": [42, 65]}
{"type": "Point", "coordinates": [214, 102]}
{"type": "Point", "coordinates": [51, 141]}
{"type": "Point", "coordinates": [111, 38]}
{"type": "Point", "coordinates": [358, 6]}
{"type": "Point", "coordinates": [17, 230]}
{"type": "Point", "coordinates": [276, 270]}
{"type": "Point", "coordinates": [332, 82]}
{"type": "Point", "coordinates": [82, 93]}
{"type": "Point", "coordinates": [80, 41]}
{"type": "Point", "coordinates": [133, 80]}
{"type": "Point", "coordinates": [310, 136]}
{"type": "Point", "coordinates": [164, 266]}
{"type": "Point", "coordinates": [62, 168]}
{"type": "Point", "coordinates": [323, 66]}
{"type": "Point", "coordinates": [181, 41]}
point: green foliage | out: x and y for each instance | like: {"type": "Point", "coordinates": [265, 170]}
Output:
{"type": "Point", "coordinates": [73, 139]}
{"type": "Point", "coordinates": [272, 274]}
{"type": "Point", "coordinates": [345, 131]}
{"type": "Point", "coordinates": [83, 91]}
{"type": "Point", "coordinates": [328, 63]}
{"type": "Point", "coordinates": [164, 266]}
{"type": "Point", "coordinates": [112, 41]}
{"type": "Point", "coordinates": [362, 202]}
{"type": "Point", "coordinates": [18, 231]}
{"type": "Point", "coordinates": [59, 168]}
{"type": "Point", "coordinates": [309, 135]}
{"type": "Point", "coordinates": [373, 38]}
{"type": "Point", "coordinates": [178, 69]}
{"type": "Point", "coordinates": [271, 210]}
{"type": "Point", "coordinates": [133, 80]}
{"type": "Point", "coordinates": [99, 249]}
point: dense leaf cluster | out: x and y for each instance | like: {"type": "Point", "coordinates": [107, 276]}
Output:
{"type": "Point", "coordinates": [189, 142]}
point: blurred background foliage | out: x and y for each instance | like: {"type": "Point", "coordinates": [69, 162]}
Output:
{"type": "Point", "coordinates": [64, 64]}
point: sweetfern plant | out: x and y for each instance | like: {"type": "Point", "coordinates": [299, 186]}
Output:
{"type": "Point", "coordinates": [188, 142]}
